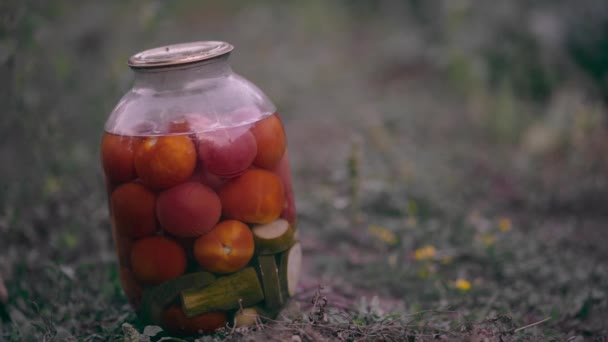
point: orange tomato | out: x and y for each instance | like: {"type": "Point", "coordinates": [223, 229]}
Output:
{"type": "Point", "coordinates": [255, 197]}
{"type": "Point", "coordinates": [188, 210]}
{"type": "Point", "coordinates": [156, 259]}
{"type": "Point", "coordinates": [227, 248]}
{"type": "Point", "coordinates": [163, 162]}
{"type": "Point", "coordinates": [271, 141]}
{"type": "Point", "coordinates": [117, 157]}
{"type": "Point", "coordinates": [133, 208]}
{"type": "Point", "coordinates": [176, 322]}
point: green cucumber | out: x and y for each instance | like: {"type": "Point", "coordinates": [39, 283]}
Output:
{"type": "Point", "coordinates": [274, 237]}
{"type": "Point", "coordinates": [156, 299]}
{"type": "Point", "coordinates": [226, 293]}
{"type": "Point", "coordinates": [269, 274]}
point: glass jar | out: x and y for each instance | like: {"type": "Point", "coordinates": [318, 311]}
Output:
{"type": "Point", "coordinates": [200, 195]}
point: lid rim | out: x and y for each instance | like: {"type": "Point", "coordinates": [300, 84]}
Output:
{"type": "Point", "coordinates": [179, 54]}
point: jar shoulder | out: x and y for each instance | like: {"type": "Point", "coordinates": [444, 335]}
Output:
{"type": "Point", "coordinates": [207, 104]}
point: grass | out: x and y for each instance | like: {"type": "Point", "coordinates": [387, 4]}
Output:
{"type": "Point", "coordinates": [410, 269]}
{"type": "Point", "coordinates": [438, 196]}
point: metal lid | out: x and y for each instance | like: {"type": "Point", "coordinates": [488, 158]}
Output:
{"type": "Point", "coordinates": [179, 54]}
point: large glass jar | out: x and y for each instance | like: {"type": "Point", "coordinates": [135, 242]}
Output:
{"type": "Point", "coordinates": [200, 195]}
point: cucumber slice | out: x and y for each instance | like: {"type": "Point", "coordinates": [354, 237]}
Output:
{"type": "Point", "coordinates": [156, 299]}
{"type": "Point", "coordinates": [274, 237]}
{"type": "Point", "coordinates": [290, 269]}
{"type": "Point", "coordinates": [269, 273]}
{"type": "Point", "coordinates": [226, 293]}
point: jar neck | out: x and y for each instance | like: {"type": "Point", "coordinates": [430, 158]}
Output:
{"type": "Point", "coordinates": [180, 77]}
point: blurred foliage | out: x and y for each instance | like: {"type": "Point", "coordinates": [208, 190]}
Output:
{"type": "Point", "coordinates": [587, 43]}
{"type": "Point", "coordinates": [417, 130]}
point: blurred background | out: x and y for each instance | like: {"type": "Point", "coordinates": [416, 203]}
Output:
{"type": "Point", "coordinates": [446, 154]}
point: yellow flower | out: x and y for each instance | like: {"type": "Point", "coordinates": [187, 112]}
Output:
{"type": "Point", "coordinates": [462, 284]}
{"type": "Point", "coordinates": [425, 252]}
{"type": "Point", "coordinates": [504, 224]}
{"type": "Point", "coordinates": [383, 234]}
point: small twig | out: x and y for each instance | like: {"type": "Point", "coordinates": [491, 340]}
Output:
{"type": "Point", "coordinates": [319, 301]}
{"type": "Point", "coordinates": [512, 331]}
